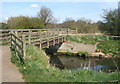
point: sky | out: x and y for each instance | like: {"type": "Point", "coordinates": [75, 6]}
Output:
{"type": "Point", "coordinates": [61, 10]}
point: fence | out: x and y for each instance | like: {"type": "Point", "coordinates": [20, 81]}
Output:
{"type": "Point", "coordinates": [4, 36]}
{"type": "Point", "coordinates": [32, 34]}
{"type": "Point", "coordinates": [18, 46]}
{"type": "Point", "coordinates": [20, 37]}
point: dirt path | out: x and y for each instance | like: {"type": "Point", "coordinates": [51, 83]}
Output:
{"type": "Point", "coordinates": [10, 72]}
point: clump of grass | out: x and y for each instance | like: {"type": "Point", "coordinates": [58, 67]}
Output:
{"type": "Point", "coordinates": [68, 53]}
{"type": "Point", "coordinates": [15, 59]}
{"type": "Point", "coordinates": [4, 43]}
{"type": "Point", "coordinates": [83, 53]}
{"type": "Point", "coordinates": [37, 69]}
{"type": "Point", "coordinates": [110, 46]}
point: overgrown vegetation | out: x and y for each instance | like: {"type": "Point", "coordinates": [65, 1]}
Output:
{"type": "Point", "coordinates": [83, 53]}
{"type": "Point", "coordinates": [37, 69]}
{"type": "Point", "coordinates": [110, 46]}
{"type": "Point", "coordinates": [88, 39]}
{"type": "Point", "coordinates": [106, 46]}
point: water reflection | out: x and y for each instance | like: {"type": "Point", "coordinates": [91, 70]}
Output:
{"type": "Point", "coordinates": [75, 63]}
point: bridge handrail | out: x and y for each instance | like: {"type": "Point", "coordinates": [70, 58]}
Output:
{"type": "Point", "coordinates": [30, 29]}
{"type": "Point", "coordinates": [17, 45]}
{"type": "Point", "coordinates": [6, 32]}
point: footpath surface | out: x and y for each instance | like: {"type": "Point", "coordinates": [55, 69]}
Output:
{"type": "Point", "coordinates": [10, 72]}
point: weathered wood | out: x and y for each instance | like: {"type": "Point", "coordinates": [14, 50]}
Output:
{"type": "Point", "coordinates": [16, 43]}
{"type": "Point", "coordinates": [29, 38]}
{"type": "Point", "coordinates": [40, 45]}
{"type": "Point", "coordinates": [58, 40]}
{"type": "Point", "coordinates": [76, 31]}
{"type": "Point", "coordinates": [17, 38]}
{"type": "Point", "coordinates": [24, 46]}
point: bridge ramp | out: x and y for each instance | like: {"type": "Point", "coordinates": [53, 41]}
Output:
{"type": "Point", "coordinates": [10, 72]}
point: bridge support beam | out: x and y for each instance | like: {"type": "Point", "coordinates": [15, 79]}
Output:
{"type": "Point", "coordinates": [62, 39]}
{"type": "Point", "coordinates": [58, 40]}
{"type": "Point", "coordinates": [53, 41]}
{"type": "Point", "coordinates": [47, 43]}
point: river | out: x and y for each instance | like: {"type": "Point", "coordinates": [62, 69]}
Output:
{"type": "Point", "coordinates": [74, 63]}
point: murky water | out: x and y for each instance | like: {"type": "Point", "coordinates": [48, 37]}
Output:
{"type": "Point", "coordinates": [75, 63]}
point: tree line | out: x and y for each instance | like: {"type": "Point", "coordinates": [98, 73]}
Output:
{"type": "Point", "coordinates": [45, 19]}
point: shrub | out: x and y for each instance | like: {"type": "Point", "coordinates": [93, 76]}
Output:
{"type": "Point", "coordinates": [83, 53]}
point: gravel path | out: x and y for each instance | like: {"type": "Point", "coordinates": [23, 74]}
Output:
{"type": "Point", "coordinates": [10, 72]}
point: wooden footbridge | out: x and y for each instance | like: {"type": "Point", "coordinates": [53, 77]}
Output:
{"type": "Point", "coordinates": [20, 38]}
{"type": "Point", "coordinates": [43, 38]}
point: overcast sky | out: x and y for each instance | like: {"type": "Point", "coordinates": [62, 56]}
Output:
{"type": "Point", "coordinates": [61, 10]}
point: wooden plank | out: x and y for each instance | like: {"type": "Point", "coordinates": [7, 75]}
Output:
{"type": "Point", "coordinates": [17, 44]}
{"type": "Point", "coordinates": [4, 34]}
{"type": "Point", "coordinates": [21, 55]}
{"type": "Point", "coordinates": [5, 38]}
{"type": "Point", "coordinates": [24, 46]}
{"type": "Point", "coordinates": [17, 38]}
{"type": "Point", "coordinates": [6, 41]}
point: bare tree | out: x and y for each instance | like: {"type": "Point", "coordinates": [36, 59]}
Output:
{"type": "Point", "coordinates": [45, 14]}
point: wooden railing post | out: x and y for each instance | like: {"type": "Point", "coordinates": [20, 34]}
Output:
{"type": "Point", "coordinates": [58, 40]}
{"type": "Point", "coordinates": [47, 38]}
{"type": "Point", "coordinates": [11, 39]}
{"type": "Point", "coordinates": [16, 48]}
{"type": "Point", "coordinates": [29, 38]}
{"type": "Point", "coordinates": [58, 32]}
{"type": "Point", "coordinates": [62, 32]}
{"type": "Point", "coordinates": [54, 38]}
{"type": "Point", "coordinates": [67, 31]}
{"type": "Point", "coordinates": [24, 46]}
{"type": "Point", "coordinates": [76, 31]}
{"type": "Point", "coordinates": [40, 45]}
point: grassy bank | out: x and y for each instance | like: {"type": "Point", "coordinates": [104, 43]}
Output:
{"type": "Point", "coordinates": [2, 44]}
{"type": "Point", "coordinates": [106, 46]}
{"type": "Point", "coordinates": [110, 47]}
{"type": "Point", "coordinates": [37, 69]}
{"type": "Point", "coordinates": [88, 39]}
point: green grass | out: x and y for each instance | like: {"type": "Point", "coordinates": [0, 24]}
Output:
{"type": "Point", "coordinates": [5, 44]}
{"type": "Point", "coordinates": [37, 69]}
{"type": "Point", "coordinates": [83, 53]}
{"type": "Point", "coordinates": [110, 46]}
{"type": "Point", "coordinates": [88, 39]}
{"type": "Point", "coordinates": [106, 46]}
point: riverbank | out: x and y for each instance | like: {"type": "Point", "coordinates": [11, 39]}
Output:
{"type": "Point", "coordinates": [37, 69]}
{"type": "Point", "coordinates": [102, 45]}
